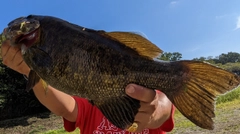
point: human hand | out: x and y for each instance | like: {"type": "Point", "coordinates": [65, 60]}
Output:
{"type": "Point", "coordinates": [155, 107]}
{"type": "Point", "coordinates": [12, 58]}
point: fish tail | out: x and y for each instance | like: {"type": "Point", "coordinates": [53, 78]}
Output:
{"type": "Point", "coordinates": [194, 95]}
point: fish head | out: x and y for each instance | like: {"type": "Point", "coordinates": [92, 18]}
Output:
{"type": "Point", "coordinates": [23, 32]}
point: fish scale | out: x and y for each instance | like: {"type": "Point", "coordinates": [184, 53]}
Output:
{"type": "Point", "coordinates": [98, 65]}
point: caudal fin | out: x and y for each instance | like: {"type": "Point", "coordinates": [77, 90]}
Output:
{"type": "Point", "coordinates": [202, 84]}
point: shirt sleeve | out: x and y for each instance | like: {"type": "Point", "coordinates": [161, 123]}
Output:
{"type": "Point", "coordinates": [69, 126]}
{"type": "Point", "coordinates": [82, 110]}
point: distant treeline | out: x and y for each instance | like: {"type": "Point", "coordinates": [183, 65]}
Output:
{"type": "Point", "coordinates": [230, 57]}
{"type": "Point", "coordinates": [229, 61]}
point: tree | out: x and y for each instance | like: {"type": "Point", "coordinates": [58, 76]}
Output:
{"type": "Point", "coordinates": [233, 67]}
{"type": "Point", "coordinates": [230, 57]}
{"type": "Point", "coordinates": [15, 101]}
{"type": "Point", "coordinates": [168, 56]}
{"type": "Point", "coordinates": [199, 59]}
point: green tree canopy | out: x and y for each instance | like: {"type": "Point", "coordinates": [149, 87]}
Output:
{"type": "Point", "coordinates": [168, 56]}
{"type": "Point", "coordinates": [230, 57]}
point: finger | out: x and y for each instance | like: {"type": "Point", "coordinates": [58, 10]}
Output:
{"type": "Point", "coordinates": [9, 55]}
{"type": "Point", "coordinates": [142, 120]}
{"type": "Point", "coordinates": [19, 64]}
{"type": "Point", "coordinates": [143, 117]}
{"type": "Point", "coordinates": [141, 126]}
{"type": "Point", "coordinates": [140, 93]}
{"type": "Point", "coordinates": [4, 48]}
{"type": "Point", "coordinates": [147, 107]}
{"type": "Point", "coordinates": [23, 68]}
{"type": "Point", "coordinates": [17, 58]}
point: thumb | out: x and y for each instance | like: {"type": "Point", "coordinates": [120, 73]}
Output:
{"type": "Point", "coordinates": [140, 93]}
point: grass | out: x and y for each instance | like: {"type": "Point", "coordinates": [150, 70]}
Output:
{"type": "Point", "coordinates": [230, 96]}
{"type": "Point", "coordinates": [61, 131]}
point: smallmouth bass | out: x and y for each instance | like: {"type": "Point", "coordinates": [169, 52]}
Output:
{"type": "Point", "coordinates": [98, 65]}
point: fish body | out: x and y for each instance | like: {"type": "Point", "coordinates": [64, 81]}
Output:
{"type": "Point", "coordinates": [98, 65]}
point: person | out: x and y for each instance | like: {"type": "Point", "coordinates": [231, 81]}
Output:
{"type": "Point", "coordinates": [155, 114]}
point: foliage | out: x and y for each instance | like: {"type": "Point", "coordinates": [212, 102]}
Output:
{"type": "Point", "coordinates": [168, 56]}
{"type": "Point", "coordinates": [62, 131]}
{"type": "Point", "coordinates": [230, 57]}
{"type": "Point", "coordinates": [200, 59]}
{"type": "Point", "coordinates": [230, 96]}
{"type": "Point", "coordinates": [14, 100]}
{"type": "Point", "coordinates": [229, 61]}
{"type": "Point", "coordinates": [233, 67]}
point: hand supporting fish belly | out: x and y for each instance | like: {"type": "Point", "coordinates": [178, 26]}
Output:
{"type": "Point", "coordinates": [97, 65]}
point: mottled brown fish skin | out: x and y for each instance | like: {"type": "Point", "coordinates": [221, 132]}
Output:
{"type": "Point", "coordinates": [98, 65]}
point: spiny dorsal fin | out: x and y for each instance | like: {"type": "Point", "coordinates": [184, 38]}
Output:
{"type": "Point", "coordinates": [137, 42]}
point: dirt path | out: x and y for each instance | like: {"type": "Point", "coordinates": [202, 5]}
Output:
{"type": "Point", "coordinates": [227, 121]}
{"type": "Point", "coordinates": [31, 124]}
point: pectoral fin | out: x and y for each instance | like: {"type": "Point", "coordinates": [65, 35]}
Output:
{"type": "Point", "coordinates": [45, 86]}
{"type": "Point", "coordinates": [32, 80]}
{"type": "Point", "coordinates": [41, 58]}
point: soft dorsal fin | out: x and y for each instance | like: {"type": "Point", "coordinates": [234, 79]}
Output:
{"type": "Point", "coordinates": [138, 43]}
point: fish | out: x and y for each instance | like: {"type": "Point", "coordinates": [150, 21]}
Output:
{"type": "Point", "coordinates": [98, 65]}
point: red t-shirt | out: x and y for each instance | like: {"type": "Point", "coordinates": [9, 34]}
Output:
{"type": "Point", "coordinates": [90, 120]}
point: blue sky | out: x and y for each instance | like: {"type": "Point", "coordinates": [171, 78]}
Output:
{"type": "Point", "coordinates": [192, 27]}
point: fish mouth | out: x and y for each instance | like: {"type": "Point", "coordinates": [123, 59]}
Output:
{"type": "Point", "coordinates": [27, 39]}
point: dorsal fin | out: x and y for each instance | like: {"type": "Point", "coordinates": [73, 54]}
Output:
{"type": "Point", "coordinates": [138, 43]}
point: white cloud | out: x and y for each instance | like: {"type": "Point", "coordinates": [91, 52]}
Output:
{"type": "Point", "coordinates": [173, 3]}
{"type": "Point", "coordinates": [238, 23]}
{"type": "Point", "coordinates": [220, 16]}
{"type": "Point", "coordinates": [194, 49]}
